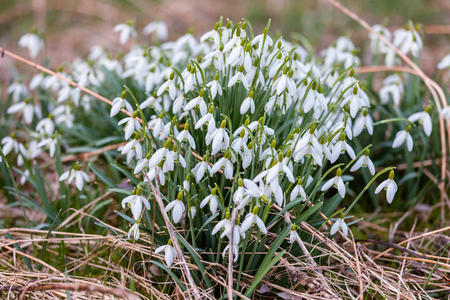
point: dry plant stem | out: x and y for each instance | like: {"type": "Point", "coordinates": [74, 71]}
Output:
{"type": "Point", "coordinates": [174, 239]}
{"type": "Point", "coordinates": [433, 87]}
{"type": "Point", "coordinates": [37, 66]}
{"type": "Point", "coordinates": [85, 155]}
{"type": "Point", "coordinates": [358, 268]}
{"type": "Point", "coordinates": [413, 238]}
{"type": "Point", "coordinates": [231, 256]}
{"type": "Point", "coordinates": [71, 287]}
{"type": "Point", "coordinates": [313, 263]}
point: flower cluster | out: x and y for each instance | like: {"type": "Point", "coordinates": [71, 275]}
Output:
{"type": "Point", "coordinates": [230, 122]}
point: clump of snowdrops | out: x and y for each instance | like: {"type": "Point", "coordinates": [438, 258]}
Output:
{"type": "Point", "coordinates": [233, 122]}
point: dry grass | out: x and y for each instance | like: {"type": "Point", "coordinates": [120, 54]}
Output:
{"type": "Point", "coordinates": [411, 266]}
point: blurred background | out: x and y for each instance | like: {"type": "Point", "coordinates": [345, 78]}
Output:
{"type": "Point", "coordinates": [72, 27]}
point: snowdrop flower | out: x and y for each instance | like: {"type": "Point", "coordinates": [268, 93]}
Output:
{"type": "Point", "coordinates": [169, 252]}
{"type": "Point", "coordinates": [408, 40]}
{"type": "Point", "coordinates": [26, 107]}
{"type": "Point", "coordinates": [225, 164]}
{"type": "Point", "coordinates": [248, 103]}
{"type": "Point", "coordinates": [197, 102]}
{"type": "Point", "coordinates": [157, 27]}
{"type": "Point", "coordinates": [293, 235]}
{"type": "Point", "coordinates": [364, 161]}
{"type": "Point", "coordinates": [200, 168]}
{"type": "Point", "coordinates": [356, 99]}
{"type": "Point", "coordinates": [18, 90]}
{"type": "Point", "coordinates": [75, 173]}
{"type": "Point", "coordinates": [163, 155]}
{"type": "Point", "coordinates": [335, 182]}
{"type": "Point", "coordinates": [157, 125]}
{"type": "Point", "coordinates": [50, 143]}
{"type": "Point", "coordinates": [364, 120]}
{"type": "Point", "coordinates": [298, 191]}
{"type": "Point", "coordinates": [225, 224]}
{"type": "Point", "coordinates": [252, 218]}
{"type": "Point", "coordinates": [184, 135]}
{"type": "Point", "coordinates": [214, 86]}
{"type": "Point", "coordinates": [392, 87]}
{"type": "Point", "coordinates": [32, 42]}
{"type": "Point", "coordinates": [46, 125]}
{"type": "Point", "coordinates": [401, 137]}
{"type": "Point", "coordinates": [9, 143]}
{"type": "Point", "coordinates": [445, 113]}
{"type": "Point", "coordinates": [390, 186]}
{"type": "Point", "coordinates": [177, 207]}
{"type": "Point", "coordinates": [444, 63]}
{"type": "Point", "coordinates": [136, 202]}
{"type": "Point", "coordinates": [126, 31]}
{"type": "Point", "coordinates": [133, 148]}
{"type": "Point", "coordinates": [169, 85]}
{"type": "Point", "coordinates": [219, 138]}
{"type": "Point", "coordinates": [340, 147]}
{"type": "Point", "coordinates": [134, 230]}
{"type": "Point", "coordinates": [120, 103]}
{"type": "Point", "coordinates": [339, 224]}
{"type": "Point", "coordinates": [132, 124]}
{"type": "Point", "coordinates": [254, 191]}
{"type": "Point", "coordinates": [239, 77]}
{"type": "Point", "coordinates": [212, 200]}
{"type": "Point", "coordinates": [424, 119]}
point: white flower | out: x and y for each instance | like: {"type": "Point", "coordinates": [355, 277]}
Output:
{"type": "Point", "coordinates": [225, 224]}
{"type": "Point", "coordinates": [46, 126]}
{"type": "Point", "coordinates": [200, 169]}
{"type": "Point", "coordinates": [390, 186]}
{"type": "Point", "coordinates": [247, 104]}
{"type": "Point", "coordinates": [293, 234]}
{"type": "Point", "coordinates": [75, 173]}
{"type": "Point", "coordinates": [340, 147]}
{"type": "Point", "coordinates": [197, 102]}
{"type": "Point", "coordinates": [224, 163]}
{"type": "Point", "coordinates": [219, 138]}
{"type": "Point", "coordinates": [26, 107]}
{"type": "Point", "coordinates": [298, 191]}
{"type": "Point", "coordinates": [212, 200]}
{"type": "Point", "coordinates": [408, 40]}
{"type": "Point", "coordinates": [134, 230]}
{"type": "Point", "coordinates": [136, 203]}
{"type": "Point", "coordinates": [364, 120]}
{"type": "Point", "coordinates": [33, 42]}
{"type": "Point", "coordinates": [177, 207]}
{"type": "Point", "coordinates": [403, 136]}
{"type": "Point", "coordinates": [336, 182]}
{"type": "Point", "coordinates": [120, 103]}
{"type": "Point", "coordinates": [252, 218]}
{"type": "Point", "coordinates": [445, 113]}
{"type": "Point", "coordinates": [424, 119]}
{"type": "Point", "coordinates": [339, 224]}
{"type": "Point", "coordinates": [444, 63]}
{"type": "Point", "coordinates": [392, 86]}
{"type": "Point", "coordinates": [168, 85]}
{"type": "Point", "coordinates": [364, 161]}
{"type": "Point", "coordinates": [169, 252]}
{"type": "Point", "coordinates": [9, 143]}
{"type": "Point", "coordinates": [133, 149]}
{"type": "Point", "coordinates": [215, 86]}
{"type": "Point", "coordinates": [184, 135]}
{"type": "Point", "coordinates": [131, 124]}
{"type": "Point", "coordinates": [50, 143]}
{"type": "Point", "coordinates": [18, 90]}
{"type": "Point", "coordinates": [157, 27]}
{"type": "Point", "coordinates": [126, 31]}
{"type": "Point", "coordinates": [239, 77]}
